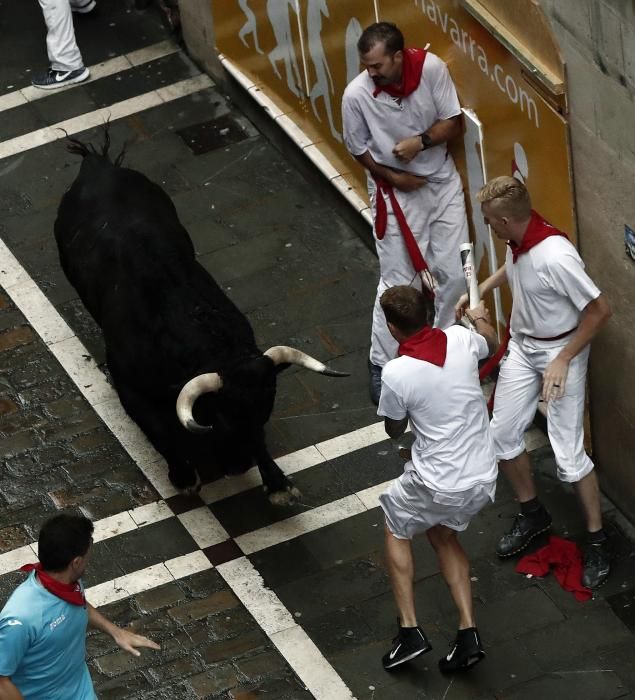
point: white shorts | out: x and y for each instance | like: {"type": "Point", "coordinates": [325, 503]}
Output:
{"type": "Point", "coordinates": [412, 507]}
{"type": "Point", "coordinates": [517, 393]}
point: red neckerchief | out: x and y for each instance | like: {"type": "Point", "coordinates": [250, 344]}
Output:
{"type": "Point", "coordinates": [411, 70]}
{"type": "Point", "coordinates": [428, 344]}
{"type": "Point", "coordinates": [70, 592]}
{"type": "Point", "coordinates": [537, 230]}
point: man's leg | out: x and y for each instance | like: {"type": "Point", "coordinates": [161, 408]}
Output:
{"type": "Point", "coordinates": [400, 565]}
{"type": "Point", "coordinates": [63, 52]}
{"type": "Point", "coordinates": [448, 229]}
{"type": "Point", "coordinates": [565, 420]}
{"type": "Point", "coordinates": [588, 490]}
{"type": "Point", "coordinates": [466, 650]}
{"type": "Point", "coordinates": [518, 472]}
{"type": "Point", "coordinates": [455, 568]}
{"type": "Point", "coordinates": [410, 641]}
{"type": "Point", "coordinates": [517, 392]}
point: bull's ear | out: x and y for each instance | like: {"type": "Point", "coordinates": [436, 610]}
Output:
{"type": "Point", "coordinates": [281, 367]}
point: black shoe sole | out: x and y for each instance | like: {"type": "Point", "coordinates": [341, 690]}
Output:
{"type": "Point", "coordinates": [525, 545]}
{"type": "Point", "coordinates": [407, 658]}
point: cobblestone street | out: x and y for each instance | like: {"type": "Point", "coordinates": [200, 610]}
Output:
{"type": "Point", "coordinates": [247, 599]}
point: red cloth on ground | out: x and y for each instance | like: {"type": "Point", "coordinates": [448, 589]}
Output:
{"type": "Point", "coordinates": [70, 592]}
{"type": "Point", "coordinates": [412, 68]}
{"type": "Point", "coordinates": [565, 558]}
{"type": "Point", "coordinates": [536, 232]}
{"type": "Point", "coordinates": [428, 344]}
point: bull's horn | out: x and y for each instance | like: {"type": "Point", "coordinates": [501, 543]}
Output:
{"type": "Point", "coordinates": [284, 354]}
{"type": "Point", "coordinates": [203, 384]}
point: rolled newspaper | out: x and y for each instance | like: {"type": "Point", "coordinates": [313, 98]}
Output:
{"type": "Point", "coordinates": [469, 272]}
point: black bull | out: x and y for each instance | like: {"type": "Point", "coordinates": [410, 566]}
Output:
{"type": "Point", "coordinates": [182, 357]}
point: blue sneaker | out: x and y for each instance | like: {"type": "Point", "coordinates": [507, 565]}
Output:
{"type": "Point", "coordinates": [53, 79]}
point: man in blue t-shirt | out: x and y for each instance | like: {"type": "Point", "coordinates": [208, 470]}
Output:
{"type": "Point", "coordinates": [43, 625]}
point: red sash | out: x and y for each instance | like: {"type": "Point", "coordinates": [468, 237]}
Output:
{"type": "Point", "coordinates": [70, 592]}
{"type": "Point", "coordinates": [537, 230]}
{"type": "Point", "coordinates": [412, 69]}
{"type": "Point", "coordinates": [381, 220]}
{"type": "Point", "coordinates": [428, 344]}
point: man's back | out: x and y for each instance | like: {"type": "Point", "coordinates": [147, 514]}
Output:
{"type": "Point", "coordinates": [453, 449]}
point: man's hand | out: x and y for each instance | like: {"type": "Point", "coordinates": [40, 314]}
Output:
{"type": "Point", "coordinates": [555, 379]}
{"type": "Point", "coordinates": [407, 149]}
{"type": "Point", "coordinates": [130, 641]}
{"type": "Point", "coordinates": [406, 182]}
{"type": "Point", "coordinates": [460, 306]}
{"type": "Point", "coordinates": [480, 311]}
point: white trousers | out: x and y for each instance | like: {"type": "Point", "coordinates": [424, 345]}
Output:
{"type": "Point", "coordinates": [61, 46]}
{"type": "Point", "coordinates": [517, 393]}
{"type": "Point", "coordinates": [436, 216]}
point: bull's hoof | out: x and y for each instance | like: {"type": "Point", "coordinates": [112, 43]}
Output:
{"type": "Point", "coordinates": [192, 489]}
{"type": "Point", "coordinates": [285, 498]}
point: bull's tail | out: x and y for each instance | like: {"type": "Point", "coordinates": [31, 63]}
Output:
{"type": "Point", "coordinates": [82, 149]}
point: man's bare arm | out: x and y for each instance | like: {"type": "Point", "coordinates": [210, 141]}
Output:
{"type": "Point", "coordinates": [442, 131]}
{"type": "Point", "coordinates": [492, 282]}
{"type": "Point", "coordinates": [407, 182]}
{"type": "Point", "coordinates": [8, 691]}
{"type": "Point", "coordinates": [596, 313]}
{"type": "Point", "coordinates": [395, 428]}
{"type": "Point", "coordinates": [480, 319]}
{"type": "Point", "coordinates": [126, 639]}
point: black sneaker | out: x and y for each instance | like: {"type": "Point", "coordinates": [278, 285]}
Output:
{"type": "Point", "coordinates": [374, 379]}
{"type": "Point", "coordinates": [408, 644]}
{"type": "Point", "coordinates": [466, 651]}
{"type": "Point", "coordinates": [59, 78]}
{"type": "Point", "coordinates": [597, 565]}
{"type": "Point", "coordinates": [523, 531]}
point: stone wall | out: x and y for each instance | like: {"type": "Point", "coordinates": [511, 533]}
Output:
{"type": "Point", "coordinates": [198, 34]}
{"type": "Point", "coordinates": [597, 40]}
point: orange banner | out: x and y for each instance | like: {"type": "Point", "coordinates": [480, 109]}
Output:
{"type": "Point", "coordinates": [302, 54]}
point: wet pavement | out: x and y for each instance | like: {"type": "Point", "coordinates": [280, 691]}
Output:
{"type": "Point", "coordinates": [248, 600]}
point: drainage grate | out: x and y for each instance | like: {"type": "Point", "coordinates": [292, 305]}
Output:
{"type": "Point", "coordinates": [217, 133]}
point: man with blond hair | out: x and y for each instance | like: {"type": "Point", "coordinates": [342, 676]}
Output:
{"type": "Point", "coordinates": [557, 311]}
{"type": "Point", "coordinates": [452, 472]}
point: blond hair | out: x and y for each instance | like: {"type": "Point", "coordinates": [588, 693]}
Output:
{"type": "Point", "coordinates": [507, 196]}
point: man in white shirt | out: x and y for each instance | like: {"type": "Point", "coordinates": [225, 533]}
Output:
{"type": "Point", "coordinates": [557, 310]}
{"type": "Point", "coordinates": [452, 472]}
{"type": "Point", "coordinates": [398, 116]}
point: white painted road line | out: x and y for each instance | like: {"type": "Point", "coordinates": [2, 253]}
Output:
{"type": "Point", "coordinates": [307, 661]}
{"type": "Point", "coordinates": [300, 524]}
{"type": "Point", "coordinates": [147, 579]}
{"type": "Point", "coordinates": [100, 70]}
{"type": "Point", "coordinates": [300, 652]}
{"type": "Point", "coordinates": [90, 120]}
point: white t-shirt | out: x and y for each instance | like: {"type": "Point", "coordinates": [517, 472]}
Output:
{"type": "Point", "coordinates": [377, 124]}
{"type": "Point", "coordinates": [549, 287]}
{"type": "Point", "coordinates": [453, 448]}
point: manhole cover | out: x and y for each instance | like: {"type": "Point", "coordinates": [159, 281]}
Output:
{"type": "Point", "coordinates": [217, 133]}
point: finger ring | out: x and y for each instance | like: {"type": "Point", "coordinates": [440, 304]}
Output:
{"type": "Point", "coordinates": [558, 385]}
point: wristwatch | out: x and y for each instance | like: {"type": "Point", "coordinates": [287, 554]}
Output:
{"type": "Point", "coordinates": [426, 141]}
